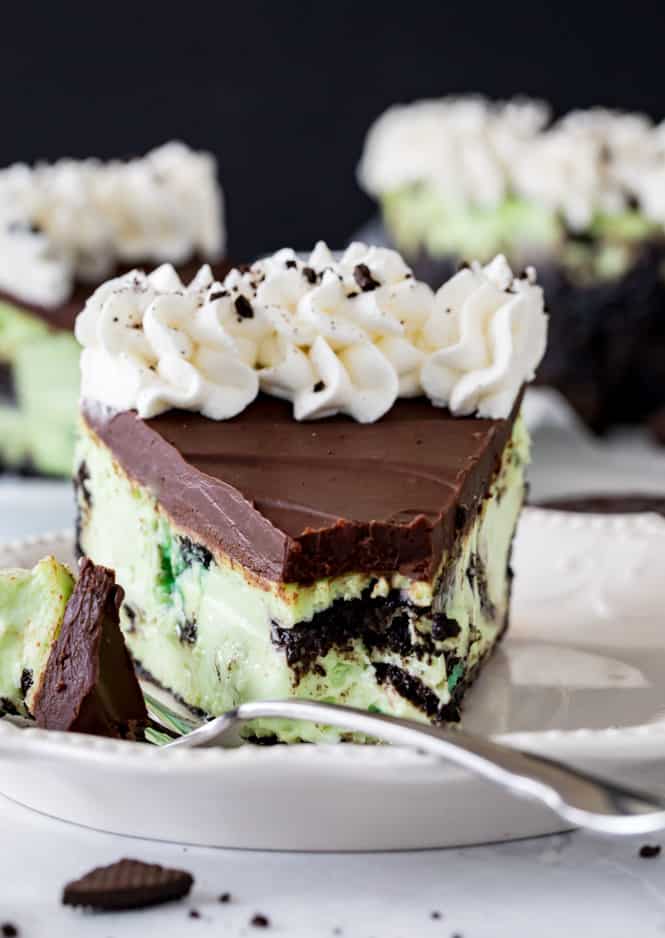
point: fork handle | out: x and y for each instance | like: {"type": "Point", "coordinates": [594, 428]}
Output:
{"type": "Point", "coordinates": [579, 798]}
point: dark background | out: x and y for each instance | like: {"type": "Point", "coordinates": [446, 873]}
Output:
{"type": "Point", "coordinates": [283, 92]}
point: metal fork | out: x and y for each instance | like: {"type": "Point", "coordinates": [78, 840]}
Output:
{"type": "Point", "coordinates": [581, 799]}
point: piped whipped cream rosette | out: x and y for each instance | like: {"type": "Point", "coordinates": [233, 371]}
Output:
{"type": "Point", "coordinates": [76, 220]}
{"type": "Point", "coordinates": [593, 161]}
{"type": "Point", "coordinates": [464, 145]}
{"type": "Point", "coordinates": [348, 335]}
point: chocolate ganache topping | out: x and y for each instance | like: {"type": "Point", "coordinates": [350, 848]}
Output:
{"type": "Point", "coordinates": [295, 502]}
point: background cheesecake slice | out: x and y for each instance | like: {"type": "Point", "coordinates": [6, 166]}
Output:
{"type": "Point", "coordinates": [364, 561]}
{"type": "Point", "coordinates": [63, 658]}
{"type": "Point", "coordinates": [64, 229]}
{"type": "Point", "coordinates": [580, 197]}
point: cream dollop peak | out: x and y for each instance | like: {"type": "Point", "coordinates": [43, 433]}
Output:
{"type": "Point", "coordinates": [348, 334]}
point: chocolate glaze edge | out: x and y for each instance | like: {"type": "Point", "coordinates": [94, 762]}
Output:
{"type": "Point", "coordinates": [228, 490]}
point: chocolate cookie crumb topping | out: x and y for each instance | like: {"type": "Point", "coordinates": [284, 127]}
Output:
{"type": "Point", "coordinates": [363, 277]}
{"type": "Point", "coordinates": [225, 898]}
{"type": "Point", "coordinates": [319, 386]}
{"type": "Point", "coordinates": [309, 274]}
{"type": "Point", "coordinates": [243, 307]}
{"type": "Point", "coordinates": [9, 930]}
{"type": "Point", "coordinates": [260, 921]}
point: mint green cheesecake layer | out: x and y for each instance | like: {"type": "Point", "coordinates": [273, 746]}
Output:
{"type": "Point", "coordinates": [203, 627]}
{"type": "Point", "coordinates": [418, 217]}
{"type": "Point", "coordinates": [41, 428]}
{"type": "Point", "coordinates": [32, 608]}
{"type": "Point", "coordinates": [17, 328]}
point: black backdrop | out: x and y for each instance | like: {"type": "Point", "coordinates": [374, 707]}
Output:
{"type": "Point", "coordinates": [283, 92]}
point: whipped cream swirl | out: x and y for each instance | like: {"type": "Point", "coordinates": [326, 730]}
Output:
{"type": "Point", "coordinates": [589, 162]}
{"type": "Point", "coordinates": [76, 220]}
{"type": "Point", "coordinates": [464, 146]}
{"type": "Point", "coordinates": [348, 335]}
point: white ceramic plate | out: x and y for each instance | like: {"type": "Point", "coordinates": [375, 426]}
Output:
{"type": "Point", "coordinates": [581, 676]}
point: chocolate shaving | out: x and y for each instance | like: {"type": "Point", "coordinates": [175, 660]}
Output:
{"type": "Point", "coordinates": [243, 307]}
{"type": "Point", "coordinates": [363, 277]}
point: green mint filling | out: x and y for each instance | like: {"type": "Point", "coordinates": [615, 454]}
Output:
{"type": "Point", "coordinates": [418, 217]}
{"type": "Point", "coordinates": [455, 676]}
{"type": "Point", "coordinates": [167, 573]}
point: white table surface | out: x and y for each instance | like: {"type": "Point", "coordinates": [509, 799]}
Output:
{"type": "Point", "coordinates": [571, 885]}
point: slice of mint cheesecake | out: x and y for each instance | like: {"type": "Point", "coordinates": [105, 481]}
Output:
{"type": "Point", "coordinates": [65, 228]}
{"type": "Point", "coordinates": [63, 659]}
{"type": "Point", "coordinates": [308, 477]}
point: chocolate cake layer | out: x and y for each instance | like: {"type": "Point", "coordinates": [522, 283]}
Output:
{"type": "Point", "coordinates": [63, 317]}
{"type": "Point", "coordinates": [89, 685]}
{"type": "Point", "coordinates": [295, 502]}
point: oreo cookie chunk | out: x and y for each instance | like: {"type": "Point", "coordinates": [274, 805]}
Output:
{"type": "Point", "coordinates": [127, 884]}
{"type": "Point", "coordinates": [89, 684]}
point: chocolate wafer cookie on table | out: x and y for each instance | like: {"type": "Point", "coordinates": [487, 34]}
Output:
{"type": "Point", "coordinates": [307, 477]}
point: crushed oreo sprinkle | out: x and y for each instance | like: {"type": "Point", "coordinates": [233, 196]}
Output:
{"type": "Point", "coordinates": [9, 930]}
{"type": "Point", "coordinates": [243, 307]}
{"type": "Point", "coordinates": [260, 921]}
{"type": "Point", "coordinates": [363, 277]}
{"type": "Point", "coordinates": [319, 386]}
{"type": "Point", "coordinates": [309, 274]}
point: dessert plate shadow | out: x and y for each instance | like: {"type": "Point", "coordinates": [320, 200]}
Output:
{"type": "Point", "coordinates": [580, 677]}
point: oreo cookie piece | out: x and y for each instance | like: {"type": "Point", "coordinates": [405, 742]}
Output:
{"type": "Point", "coordinates": [127, 884]}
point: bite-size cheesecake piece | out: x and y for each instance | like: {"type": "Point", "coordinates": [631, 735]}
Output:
{"type": "Point", "coordinates": [581, 197]}
{"type": "Point", "coordinates": [63, 659]}
{"type": "Point", "coordinates": [64, 229]}
{"type": "Point", "coordinates": [349, 542]}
